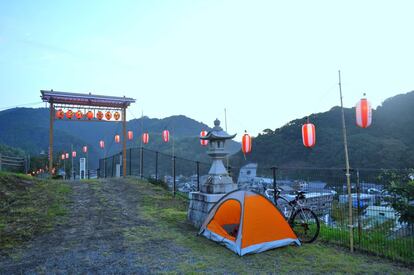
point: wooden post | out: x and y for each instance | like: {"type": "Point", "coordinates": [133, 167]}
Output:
{"type": "Point", "coordinates": [348, 174]}
{"type": "Point", "coordinates": [52, 117]}
{"type": "Point", "coordinates": [124, 160]}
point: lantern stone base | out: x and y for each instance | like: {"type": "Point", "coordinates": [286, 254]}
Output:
{"type": "Point", "coordinates": [218, 184]}
{"type": "Point", "coordinates": [200, 205]}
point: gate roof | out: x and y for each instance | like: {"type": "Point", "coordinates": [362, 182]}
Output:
{"type": "Point", "coordinates": [85, 99]}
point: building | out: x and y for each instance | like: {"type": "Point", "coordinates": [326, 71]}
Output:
{"type": "Point", "coordinates": [364, 199]}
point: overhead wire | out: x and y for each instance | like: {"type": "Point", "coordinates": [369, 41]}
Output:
{"type": "Point", "coordinates": [21, 105]}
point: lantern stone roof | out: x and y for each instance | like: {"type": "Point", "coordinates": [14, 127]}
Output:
{"type": "Point", "coordinates": [85, 99]}
{"type": "Point", "coordinates": [217, 133]}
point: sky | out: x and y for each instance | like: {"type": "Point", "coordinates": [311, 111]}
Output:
{"type": "Point", "coordinates": [266, 62]}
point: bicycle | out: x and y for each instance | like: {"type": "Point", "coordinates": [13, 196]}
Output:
{"type": "Point", "coordinates": [302, 220]}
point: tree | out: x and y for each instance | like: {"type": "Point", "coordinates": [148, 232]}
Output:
{"type": "Point", "coordinates": [401, 187]}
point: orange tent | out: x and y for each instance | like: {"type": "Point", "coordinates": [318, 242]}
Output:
{"type": "Point", "coordinates": [246, 222]}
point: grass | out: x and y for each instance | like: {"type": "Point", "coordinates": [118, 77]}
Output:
{"type": "Point", "coordinates": [374, 242]}
{"type": "Point", "coordinates": [169, 235]}
{"type": "Point", "coordinates": [28, 207]}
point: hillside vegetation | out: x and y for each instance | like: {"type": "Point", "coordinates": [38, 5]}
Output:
{"type": "Point", "coordinates": [387, 143]}
{"type": "Point", "coordinates": [28, 207]}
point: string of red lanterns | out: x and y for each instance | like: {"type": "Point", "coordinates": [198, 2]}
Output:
{"type": "Point", "coordinates": [60, 114]}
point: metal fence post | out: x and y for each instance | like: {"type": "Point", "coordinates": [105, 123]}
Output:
{"type": "Point", "coordinates": [198, 175]}
{"type": "Point", "coordinates": [174, 176]}
{"type": "Point", "coordinates": [358, 190]}
{"type": "Point", "coordinates": [274, 184]}
{"type": "Point", "coordinates": [113, 164]}
{"type": "Point", "coordinates": [104, 167]}
{"type": "Point", "coordinates": [156, 165]}
{"type": "Point", "coordinates": [142, 163]}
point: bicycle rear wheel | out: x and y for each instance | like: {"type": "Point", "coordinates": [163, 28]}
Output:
{"type": "Point", "coordinates": [305, 224]}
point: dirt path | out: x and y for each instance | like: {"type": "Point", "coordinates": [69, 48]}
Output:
{"type": "Point", "coordinates": [122, 226]}
{"type": "Point", "coordinates": [90, 239]}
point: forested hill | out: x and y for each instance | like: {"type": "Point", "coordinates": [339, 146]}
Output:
{"type": "Point", "coordinates": [28, 129]}
{"type": "Point", "coordinates": [387, 143]}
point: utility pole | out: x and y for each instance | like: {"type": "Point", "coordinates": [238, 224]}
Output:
{"type": "Point", "coordinates": [348, 175]}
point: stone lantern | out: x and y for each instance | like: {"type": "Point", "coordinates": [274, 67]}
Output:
{"type": "Point", "coordinates": [218, 182]}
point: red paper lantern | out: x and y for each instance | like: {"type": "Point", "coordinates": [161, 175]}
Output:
{"type": "Point", "coordinates": [85, 149]}
{"type": "Point", "coordinates": [166, 135]}
{"type": "Point", "coordinates": [363, 113]}
{"type": "Point", "coordinates": [130, 135]}
{"type": "Point", "coordinates": [145, 138]}
{"type": "Point", "coordinates": [246, 144]}
{"type": "Point", "coordinates": [117, 115]}
{"type": "Point", "coordinates": [203, 141]}
{"type": "Point", "coordinates": [74, 154]}
{"type": "Point", "coordinates": [69, 114]}
{"type": "Point", "coordinates": [308, 135]}
{"type": "Point", "coordinates": [89, 115]}
{"type": "Point", "coordinates": [79, 114]}
{"type": "Point", "coordinates": [67, 156]}
{"type": "Point", "coordinates": [99, 115]}
{"type": "Point", "coordinates": [60, 114]}
{"type": "Point", "coordinates": [108, 115]}
{"type": "Point", "coordinates": [101, 144]}
{"type": "Point", "coordinates": [117, 138]}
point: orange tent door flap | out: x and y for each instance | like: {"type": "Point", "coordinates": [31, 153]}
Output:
{"type": "Point", "coordinates": [262, 222]}
{"type": "Point", "coordinates": [227, 214]}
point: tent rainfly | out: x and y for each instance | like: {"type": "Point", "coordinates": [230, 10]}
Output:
{"type": "Point", "coordinates": [246, 222]}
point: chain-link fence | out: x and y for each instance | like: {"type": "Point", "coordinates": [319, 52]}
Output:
{"type": "Point", "coordinates": [382, 203]}
{"type": "Point", "coordinates": [179, 174]}
{"type": "Point", "coordinates": [381, 199]}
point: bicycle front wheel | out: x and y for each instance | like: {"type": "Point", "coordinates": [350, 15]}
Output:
{"type": "Point", "coordinates": [305, 224]}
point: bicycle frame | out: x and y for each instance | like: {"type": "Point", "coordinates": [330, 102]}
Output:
{"type": "Point", "coordinates": [294, 204]}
